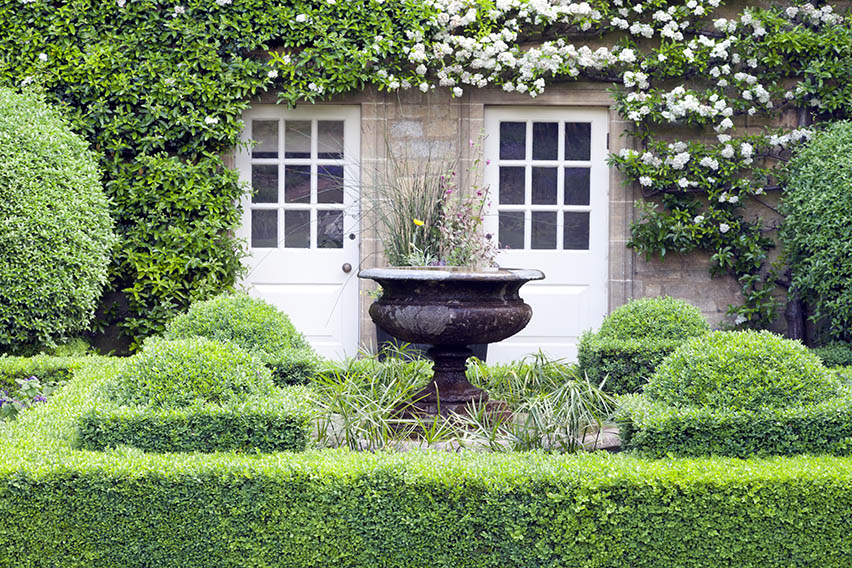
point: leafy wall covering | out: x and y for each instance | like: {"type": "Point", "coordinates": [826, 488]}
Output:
{"type": "Point", "coordinates": [158, 87]}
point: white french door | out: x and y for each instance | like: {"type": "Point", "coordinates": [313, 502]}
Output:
{"type": "Point", "coordinates": [301, 222]}
{"type": "Point", "coordinates": [548, 180]}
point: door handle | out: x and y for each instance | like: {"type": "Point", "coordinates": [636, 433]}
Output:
{"type": "Point", "coordinates": [347, 268]}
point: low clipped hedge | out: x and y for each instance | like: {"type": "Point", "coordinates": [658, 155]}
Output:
{"type": "Point", "coordinates": [47, 368]}
{"type": "Point", "coordinates": [661, 317]}
{"type": "Point", "coordinates": [835, 354]}
{"type": "Point", "coordinates": [742, 370]}
{"type": "Point", "coordinates": [656, 430]}
{"type": "Point", "coordinates": [272, 424]}
{"type": "Point", "coordinates": [634, 339]}
{"type": "Point", "coordinates": [63, 507]}
{"type": "Point", "coordinates": [183, 372]}
{"type": "Point", "coordinates": [254, 325]}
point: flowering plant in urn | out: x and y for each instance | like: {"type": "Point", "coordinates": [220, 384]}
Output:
{"type": "Point", "coordinates": [424, 218]}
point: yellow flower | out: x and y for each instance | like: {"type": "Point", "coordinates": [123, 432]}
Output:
{"type": "Point", "coordinates": [418, 222]}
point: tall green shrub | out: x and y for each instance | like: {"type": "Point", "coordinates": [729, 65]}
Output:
{"type": "Point", "coordinates": [817, 234]}
{"type": "Point", "coordinates": [56, 234]}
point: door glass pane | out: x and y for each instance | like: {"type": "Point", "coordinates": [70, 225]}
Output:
{"type": "Point", "coordinates": [330, 139]}
{"type": "Point", "coordinates": [297, 229]}
{"type": "Point", "coordinates": [513, 140]}
{"type": "Point", "coordinates": [544, 186]}
{"type": "Point", "coordinates": [543, 230]}
{"type": "Point", "coordinates": [297, 139]}
{"type": "Point", "coordinates": [576, 230]}
{"type": "Point", "coordinates": [577, 186]}
{"type": "Point", "coordinates": [510, 230]}
{"type": "Point", "coordinates": [264, 228]}
{"type": "Point", "coordinates": [330, 184]}
{"type": "Point", "coordinates": [297, 184]}
{"type": "Point", "coordinates": [264, 181]}
{"type": "Point", "coordinates": [511, 185]}
{"type": "Point", "coordinates": [265, 133]}
{"type": "Point", "coordinates": [329, 229]}
{"type": "Point", "coordinates": [545, 140]}
{"type": "Point", "coordinates": [578, 141]}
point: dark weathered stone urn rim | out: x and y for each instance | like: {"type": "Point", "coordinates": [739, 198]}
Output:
{"type": "Point", "coordinates": [452, 273]}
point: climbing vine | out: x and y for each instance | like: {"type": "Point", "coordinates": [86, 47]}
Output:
{"type": "Point", "coordinates": [157, 86]}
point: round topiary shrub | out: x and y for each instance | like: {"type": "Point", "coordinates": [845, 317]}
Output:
{"type": "Point", "coordinates": [741, 370]}
{"type": "Point", "coordinates": [817, 234]}
{"type": "Point", "coordinates": [254, 325]}
{"type": "Point", "coordinates": [635, 338]}
{"type": "Point", "coordinates": [55, 229]}
{"type": "Point", "coordinates": [183, 372]}
{"type": "Point", "coordinates": [654, 318]}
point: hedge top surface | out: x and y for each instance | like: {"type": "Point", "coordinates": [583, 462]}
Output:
{"type": "Point", "coordinates": [183, 372]}
{"type": "Point", "coordinates": [55, 228]}
{"type": "Point", "coordinates": [251, 323]}
{"type": "Point", "coordinates": [661, 318]}
{"type": "Point", "coordinates": [742, 370]}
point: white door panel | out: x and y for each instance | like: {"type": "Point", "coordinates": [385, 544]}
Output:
{"type": "Point", "coordinates": [548, 178]}
{"type": "Point", "coordinates": [301, 222]}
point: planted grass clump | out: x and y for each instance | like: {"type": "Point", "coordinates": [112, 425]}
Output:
{"type": "Point", "coordinates": [740, 394]}
{"type": "Point", "coordinates": [369, 405]}
{"type": "Point", "coordinates": [552, 407]}
{"type": "Point", "coordinates": [194, 395]}
{"type": "Point", "coordinates": [634, 339]}
{"type": "Point", "coordinates": [255, 326]}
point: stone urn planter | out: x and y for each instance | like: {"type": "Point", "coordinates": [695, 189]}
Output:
{"type": "Point", "coordinates": [450, 308]}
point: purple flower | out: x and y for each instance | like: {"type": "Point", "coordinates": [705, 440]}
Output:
{"type": "Point", "coordinates": [39, 398]}
{"type": "Point", "coordinates": [31, 378]}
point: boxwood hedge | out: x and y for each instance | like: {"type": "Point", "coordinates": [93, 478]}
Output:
{"type": "Point", "coordinates": [194, 394]}
{"type": "Point", "coordinates": [183, 372]}
{"type": "Point", "coordinates": [835, 354]}
{"type": "Point", "coordinates": [741, 370]}
{"type": "Point", "coordinates": [739, 394]}
{"type": "Point", "coordinates": [47, 368]}
{"type": "Point", "coordinates": [635, 338]}
{"type": "Point", "coordinates": [657, 430]}
{"type": "Point", "coordinates": [256, 326]}
{"type": "Point", "coordinates": [64, 507]}
{"type": "Point", "coordinates": [260, 424]}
